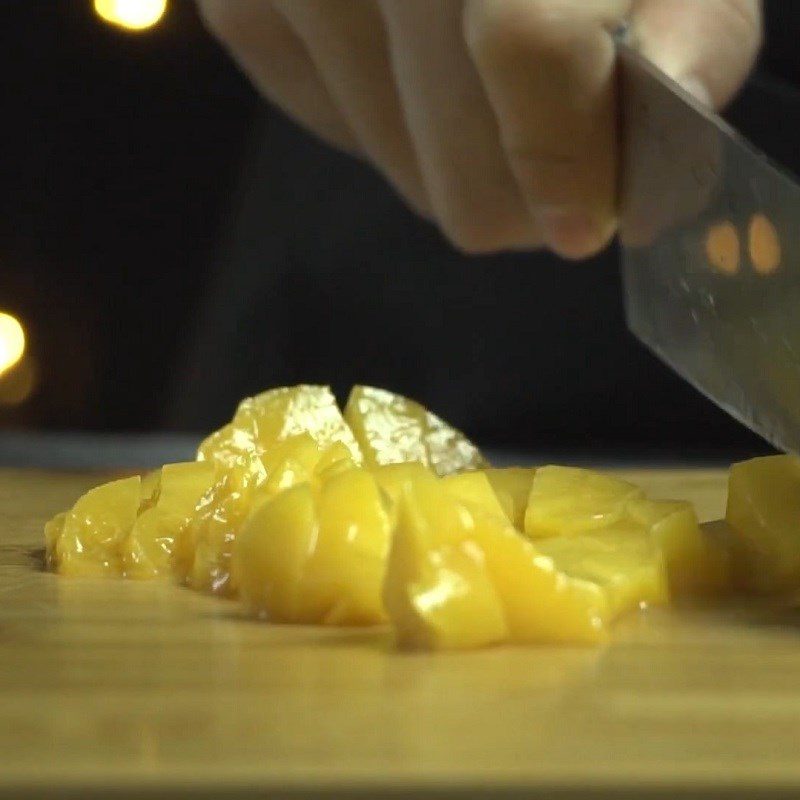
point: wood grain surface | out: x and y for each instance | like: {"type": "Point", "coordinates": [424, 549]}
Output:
{"type": "Point", "coordinates": [121, 689]}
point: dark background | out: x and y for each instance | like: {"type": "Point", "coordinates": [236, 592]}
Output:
{"type": "Point", "coordinates": [172, 244]}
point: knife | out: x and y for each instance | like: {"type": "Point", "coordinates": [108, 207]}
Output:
{"type": "Point", "coordinates": [710, 242]}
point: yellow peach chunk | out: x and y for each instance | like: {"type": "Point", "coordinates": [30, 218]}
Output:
{"type": "Point", "coordinates": [764, 514]}
{"type": "Point", "coordinates": [696, 564]}
{"type": "Point", "coordinates": [393, 477]}
{"type": "Point", "coordinates": [146, 552]}
{"type": "Point", "coordinates": [623, 560]}
{"type": "Point", "coordinates": [391, 429]}
{"type": "Point", "coordinates": [513, 487]}
{"type": "Point", "coordinates": [263, 421]}
{"type": "Point", "coordinates": [149, 485]}
{"type": "Point", "coordinates": [474, 490]}
{"type": "Point", "coordinates": [316, 553]}
{"type": "Point", "coordinates": [85, 540]}
{"type": "Point", "coordinates": [205, 543]}
{"type": "Point", "coordinates": [540, 604]}
{"type": "Point", "coordinates": [272, 552]}
{"type": "Point", "coordinates": [342, 581]}
{"type": "Point", "coordinates": [439, 595]}
{"type": "Point", "coordinates": [569, 500]}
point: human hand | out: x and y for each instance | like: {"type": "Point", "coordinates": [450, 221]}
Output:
{"type": "Point", "coordinates": [495, 119]}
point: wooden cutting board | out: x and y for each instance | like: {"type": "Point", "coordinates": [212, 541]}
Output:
{"type": "Point", "coordinates": [147, 687]}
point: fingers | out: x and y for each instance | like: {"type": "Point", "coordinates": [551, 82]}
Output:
{"type": "Point", "coordinates": [548, 70]}
{"type": "Point", "coordinates": [276, 61]}
{"type": "Point", "coordinates": [468, 181]}
{"type": "Point", "coordinates": [346, 41]}
{"type": "Point", "coordinates": [707, 46]}
{"type": "Point", "coordinates": [496, 118]}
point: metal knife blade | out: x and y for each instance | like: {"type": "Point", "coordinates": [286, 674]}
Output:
{"type": "Point", "coordinates": [710, 235]}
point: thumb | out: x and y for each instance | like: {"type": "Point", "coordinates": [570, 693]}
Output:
{"type": "Point", "coordinates": [708, 47]}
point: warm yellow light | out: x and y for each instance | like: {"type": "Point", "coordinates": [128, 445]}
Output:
{"type": "Point", "coordinates": [12, 341]}
{"type": "Point", "coordinates": [19, 383]}
{"type": "Point", "coordinates": [135, 15]}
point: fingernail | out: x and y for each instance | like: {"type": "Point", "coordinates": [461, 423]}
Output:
{"type": "Point", "coordinates": [696, 89]}
{"type": "Point", "coordinates": [569, 232]}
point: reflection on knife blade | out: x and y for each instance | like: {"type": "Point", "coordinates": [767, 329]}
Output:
{"type": "Point", "coordinates": [710, 253]}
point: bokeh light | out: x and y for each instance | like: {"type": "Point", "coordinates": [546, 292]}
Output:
{"type": "Point", "coordinates": [12, 341]}
{"type": "Point", "coordinates": [134, 15]}
{"type": "Point", "coordinates": [18, 384]}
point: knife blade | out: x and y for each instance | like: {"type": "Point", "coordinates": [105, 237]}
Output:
{"type": "Point", "coordinates": [710, 242]}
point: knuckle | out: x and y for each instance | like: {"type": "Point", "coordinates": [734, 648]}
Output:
{"type": "Point", "coordinates": [495, 30]}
